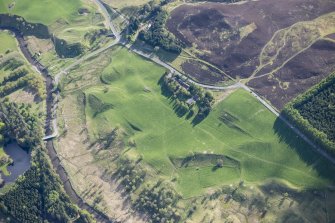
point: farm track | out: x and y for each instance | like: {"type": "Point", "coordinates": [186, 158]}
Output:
{"type": "Point", "coordinates": [156, 60]}
{"type": "Point", "coordinates": [51, 122]}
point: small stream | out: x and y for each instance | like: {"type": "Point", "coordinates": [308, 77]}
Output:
{"type": "Point", "coordinates": [21, 162]}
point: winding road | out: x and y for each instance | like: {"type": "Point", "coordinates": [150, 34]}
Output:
{"type": "Point", "coordinates": [51, 119]}
{"type": "Point", "coordinates": [155, 59]}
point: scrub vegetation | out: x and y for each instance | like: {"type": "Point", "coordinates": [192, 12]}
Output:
{"type": "Point", "coordinates": [15, 72]}
{"type": "Point", "coordinates": [132, 118]}
{"type": "Point", "coordinates": [38, 195]}
{"type": "Point", "coordinates": [139, 143]}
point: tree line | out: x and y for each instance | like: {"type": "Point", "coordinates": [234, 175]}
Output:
{"type": "Point", "coordinates": [187, 96]}
{"type": "Point", "coordinates": [38, 195]}
{"type": "Point", "coordinates": [156, 35]}
{"type": "Point", "coordinates": [157, 200]}
{"type": "Point", "coordinates": [314, 113]}
{"type": "Point", "coordinates": [20, 78]}
{"type": "Point", "coordinates": [11, 64]}
{"type": "Point", "coordinates": [19, 25]}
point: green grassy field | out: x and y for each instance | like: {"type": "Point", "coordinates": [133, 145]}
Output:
{"type": "Point", "coordinates": [136, 105]}
{"type": "Point", "coordinates": [62, 17]}
{"type": "Point", "coordinates": [7, 42]}
{"type": "Point", "coordinates": [8, 49]}
{"type": "Point", "coordinates": [45, 11]}
{"type": "Point", "coordinates": [126, 6]}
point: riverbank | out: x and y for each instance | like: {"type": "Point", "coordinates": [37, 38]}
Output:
{"type": "Point", "coordinates": [50, 104]}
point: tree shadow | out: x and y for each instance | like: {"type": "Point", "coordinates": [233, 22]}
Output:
{"type": "Point", "coordinates": [215, 168]}
{"type": "Point", "coordinates": [167, 56]}
{"type": "Point", "coordinates": [180, 112]}
{"type": "Point", "coordinates": [198, 119]}
{"type": "Point", "coordinates": [189, 114]}
{"type": "Point", "coordinates": [164, 90]}
{"type": "Point", "coordinates": [306, 153]}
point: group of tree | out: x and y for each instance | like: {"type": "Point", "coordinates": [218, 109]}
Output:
{"type": "Point", "coordinates": [21, 124]}
{"type": "Point", "coordinates": [203, 98]}
{"type": "Point", "coordinates": [314, 113]}
{"type": "Point", "coordinates": [21, 78]}
{"type": "Point", "coordinates": [11, 64]}
{"type": "Point", "coordinates": [131, 175]}
{"type": "Point", "coordinates": [4, 158]}
{"type": "Point", "coordinates": [65, 49]}
{"type": "Point", "coordinates": [159, 202]}
{"type": "Point", "coordinates": [38, 195]}
{"type": "Point", "coordinates": [157, 36]}
{"type": "Point", "coordinates": [92, 36]}
{"type": "Point", "coordinates": [184, 96]}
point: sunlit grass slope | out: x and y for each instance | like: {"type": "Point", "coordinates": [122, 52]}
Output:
{"type": "Point", "coordinates": [261, 147]}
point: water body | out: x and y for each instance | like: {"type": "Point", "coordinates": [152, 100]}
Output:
{"type": "Point", "coordinates": [21, 163]}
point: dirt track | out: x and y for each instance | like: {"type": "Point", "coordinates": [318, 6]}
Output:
{"type": "Point", "coordinates": [303, 71]}
{"type": "Point", "coordinates": [216, 29]}
{"type": "Point", "coordinates": [232, 36]}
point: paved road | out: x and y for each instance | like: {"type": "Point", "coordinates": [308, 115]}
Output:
{"type": "Point", "coordinates": [133, 49]}
{"type": "Point", "coordinates": [267, 105]}
{"type": "Point", "coordinates": [297, 131]}
{"type": "Point", "coordinates": [155, 59]}
{"type": "Point", "coordinates": [108, 19]}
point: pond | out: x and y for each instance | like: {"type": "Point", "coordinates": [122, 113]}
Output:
{"type": "Point", "coordinates": [21, 162]}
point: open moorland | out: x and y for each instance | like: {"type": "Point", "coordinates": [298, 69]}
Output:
{"type": "Point", "coordinates": [300, 73]}
{"type": "Point", "coordinates": [123, 112]}
{"type": "Point", "coordinates": [261, 42]}
{"type": "Point", "coordinates": [134, 140]}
